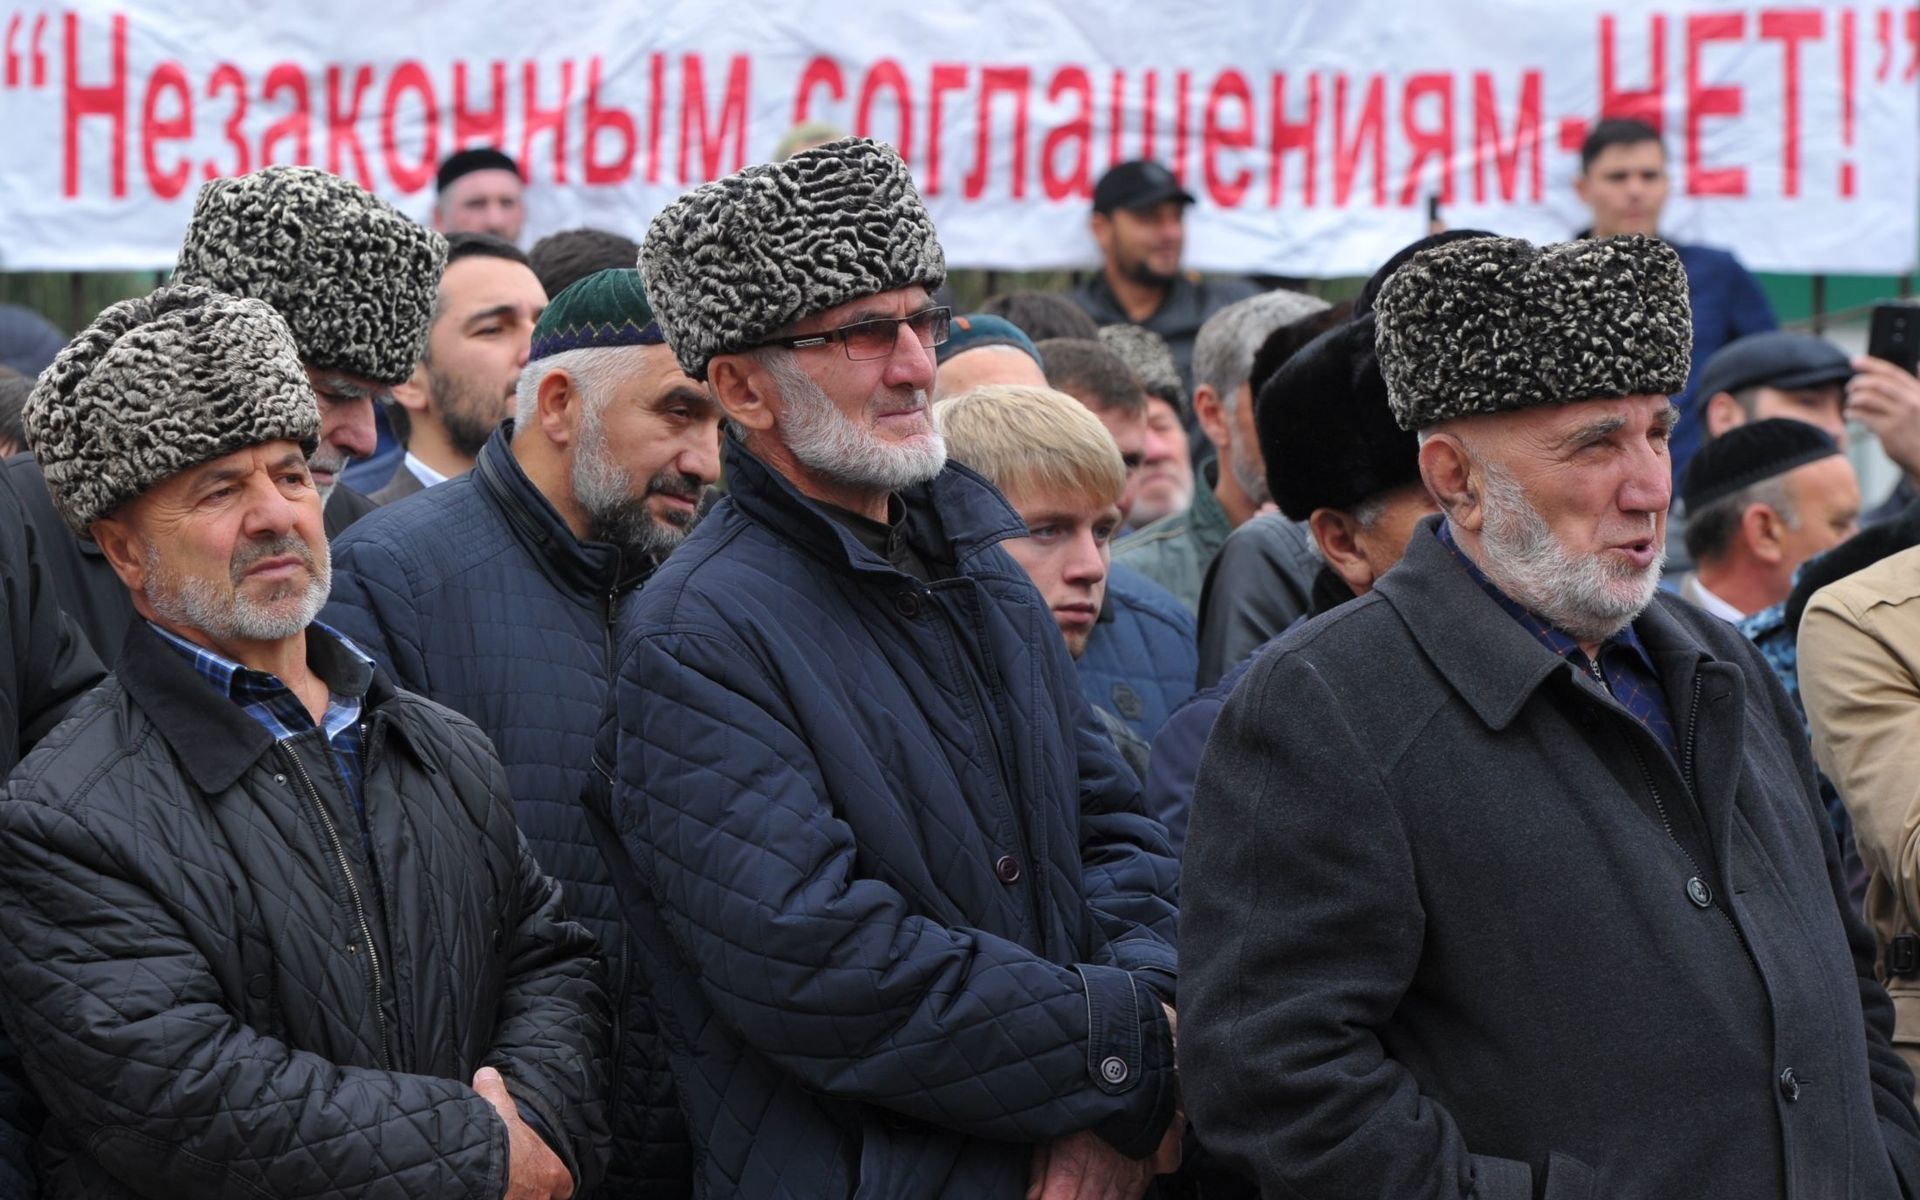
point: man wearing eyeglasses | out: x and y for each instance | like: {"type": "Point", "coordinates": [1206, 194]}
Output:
{"type": "Point", "coordinates": [906, 921]}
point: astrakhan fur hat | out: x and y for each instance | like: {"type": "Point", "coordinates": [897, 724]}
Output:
{"type": "Point", "coordinates": [354, 276]}
{"type": "Point", "coordinates": [161, 384]}
{"type": "Point", "coordinates": [1489, 325]}
{"type": "Point", "coordinates": [733, 261]}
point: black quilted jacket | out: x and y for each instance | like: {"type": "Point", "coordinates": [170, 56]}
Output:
{"type": "Point", "coordinates": [191, 941]}
{"type": "Point", "coordinates": [476, 594]}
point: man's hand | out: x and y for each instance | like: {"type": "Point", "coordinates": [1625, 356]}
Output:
{"type": "Point", "coordinates": [1886, 399]}
{"type": "Point", "coordinates": [535, 1172]}
{"type": "Point", "coordinates": [1082, 1166]}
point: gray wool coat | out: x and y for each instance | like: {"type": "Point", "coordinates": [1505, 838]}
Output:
{"type": "Point", "coordinates": [1435, 941]}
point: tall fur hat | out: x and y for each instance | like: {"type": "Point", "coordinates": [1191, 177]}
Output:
{"type": "Point", "coordinates": [1488, 325]}
{"type": "Point", "coordinates": [733, 261]}
{"type": "Point", "coordinates": [354, 277]}
{"type": "Point", "coordinates": [161, 384]}
{"type": "Point", "coordinates": [1326, 429]}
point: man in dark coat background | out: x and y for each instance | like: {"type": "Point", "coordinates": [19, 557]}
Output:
{"type": "Point", "coordinates": [908, 927]}
{"type": "Point", "coordinates": [1511, 878]}
{"type": "Point", "coordinates": [496, 594]}
{"type": "Point", "coordinates": [266, 924]}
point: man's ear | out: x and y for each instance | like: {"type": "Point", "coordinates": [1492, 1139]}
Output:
{"type": "Point", "coordinates": [123, 548]}
{"type": "Point", "coordinates": [557, 407]}
{"type": "Point", "coordinates": [1210, 410]}
{"type": "Point", "coordinates": [1447, 470]}
{"type": "Point", "coordinates": [1580, 188]}
{"type": "Point", "coordinates": [1721, 413]}
{"type": "Point", "coordinates": [745, 391]}
{"type": "Point", "coordinates": [1337, 535]}
{"type": "Point", "coordinates": [1101, 226]}
{"type": "Point", "coordinates": [412, 395]}
{"type": "Point", "coordinates": [1762, 530]}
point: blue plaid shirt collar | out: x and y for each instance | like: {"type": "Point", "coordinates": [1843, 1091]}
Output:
{"type": "Point", "coordinates": [269, 701]}
{"type": "Point", "coordinates": [1544, 631]}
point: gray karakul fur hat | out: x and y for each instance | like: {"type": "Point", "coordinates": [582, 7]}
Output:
{"type": "Point", "coordinates": [354, 277]}
{"type": "Point", "coordinates": [733, 261]}
{"type": "Point", "coordinates": [1489, 325]}
{"type": "Point", "coordinates": [161, 384]}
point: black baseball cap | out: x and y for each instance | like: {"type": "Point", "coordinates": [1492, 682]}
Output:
{"type": "Point", "coordinates": [1778, 359]}
{"type": "Point", "coordinates": [1141, 183]}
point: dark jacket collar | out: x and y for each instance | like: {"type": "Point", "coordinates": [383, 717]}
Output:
{"type": "Point", "coordinates": [1494, 663]}
{"type": "Point", "coordinates": [592, 569]}
{"type": "Point", "coordinates": [214, 738]}
{"type": "Point", "coordinates": [954, 517]}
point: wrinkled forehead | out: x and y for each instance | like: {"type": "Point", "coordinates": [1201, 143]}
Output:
{"type": "Point", "coordinates": [896, 303]}
{"type": "Point", "coordinates": [1550, 427]}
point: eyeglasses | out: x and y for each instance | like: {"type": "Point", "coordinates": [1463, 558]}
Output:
{"type": "Point", "coordinates": [865, 340]}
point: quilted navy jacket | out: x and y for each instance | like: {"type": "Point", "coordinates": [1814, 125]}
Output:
{"type": "Point", "coordinates": [476, 594]}
{"type": "Point", "coordinates": [1141, 660]}
{"type": "Point", "coordinates": [901, 907]}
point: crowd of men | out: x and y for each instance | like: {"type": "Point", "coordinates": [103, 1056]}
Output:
{"type": "Point", "coordinates": [695, 716]}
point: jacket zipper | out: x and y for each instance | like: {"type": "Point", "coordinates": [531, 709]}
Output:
{"type": "Point", "coordinates": [359, 903]}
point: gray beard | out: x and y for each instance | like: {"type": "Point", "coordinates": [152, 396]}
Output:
{"type": "Point", "coordinates": [824, 439]}
{"type": "Point", "coordinates": [604, 490]}
{"type": "Point", "coordinates": [230, 615]}
{"type": "Point", "coordinates": [1585, 596]}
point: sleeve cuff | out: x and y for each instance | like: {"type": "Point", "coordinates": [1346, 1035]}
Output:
{"type": "Point", "coordinates": [1129, 1053]}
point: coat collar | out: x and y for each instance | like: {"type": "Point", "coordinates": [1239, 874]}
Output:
{"type": "Point", "coordinates": [589, 568]}
{"type": "Point", "coordinates": [213, 738]}
{"type": "Point", "coordinates": [955, 516]}
{"type": "Point", "coordinates": [1489, 659]}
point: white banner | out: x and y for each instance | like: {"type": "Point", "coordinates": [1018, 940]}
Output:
{"type": "Point", "coordinates": [1313, 133]}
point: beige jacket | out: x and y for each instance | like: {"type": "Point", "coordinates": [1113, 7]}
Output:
{"type": "Point", "coordinates": [1860, 681]}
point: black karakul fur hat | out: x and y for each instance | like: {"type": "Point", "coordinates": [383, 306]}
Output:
{"type": "Point", "coordinates": [1487, 325]}
{"type": "Point", "coordinates": [1326, 428]}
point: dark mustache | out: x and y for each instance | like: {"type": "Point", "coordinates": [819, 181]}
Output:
{"type": "Point", "coordinates": [245, 557]}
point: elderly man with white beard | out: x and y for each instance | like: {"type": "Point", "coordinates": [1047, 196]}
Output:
{"type": "Point", "coordinates": [1511, 878]}
{"type": "Point", "coordinates": [908, 928]}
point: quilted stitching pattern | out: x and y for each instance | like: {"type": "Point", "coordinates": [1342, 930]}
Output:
{"type": "Point", "coordinates": [1140, 665]}
{"type": "Point", "coordinates": [813, 781]}
{"type": "Point", "coordinates": [176, 967]}
{"type": "Point", "coordinates": [445, 590]}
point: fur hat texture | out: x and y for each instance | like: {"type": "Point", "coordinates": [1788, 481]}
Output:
{"type": "Point", "coordinates": [354, 277]}
{"type": "Point", "coordinates": [733, 261]}
{"type": "Point", "coordinates": [161, 384]}
{"type": "Point", "coordinates": [1326, 429]}
{"type": "Point", "coordinates": [1487, 325]}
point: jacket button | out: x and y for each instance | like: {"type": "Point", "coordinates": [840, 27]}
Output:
{"type": "Point", "coordinates": [1114, 1070]}
{"type": "Point", "coordinates": [907, 604]}
{"type": "Point", "coordinates": [259, 987]}
{"type": "Point", "coordinates": [1699, 893]}
{"type": "Point", "coordinates": [1789, 1085]}
{"type": "Point", "coordinates": [1006, 868]}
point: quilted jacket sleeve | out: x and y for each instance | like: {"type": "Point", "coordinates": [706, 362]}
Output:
{"type": "Point", "coordinates": [1131, 876]}
{"type": "Point", "coordinates": [831, 975]}
{"type": "Point", "coordinates": [553, 1042]}
{"type": "Point", "coordinates": [373, 604]}
{"type": "Point", "coordinates": [126, 1036]}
